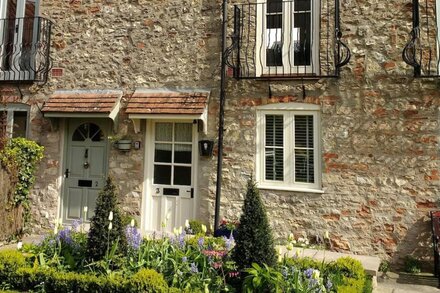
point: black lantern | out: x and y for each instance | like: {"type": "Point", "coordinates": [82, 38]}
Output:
{"type": "Point", "coordinates": [206, 147]}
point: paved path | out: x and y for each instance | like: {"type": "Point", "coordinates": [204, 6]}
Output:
{"type": "Point", "coordinates": [404, 283]}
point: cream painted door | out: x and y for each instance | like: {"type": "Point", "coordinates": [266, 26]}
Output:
{"type": "Point", "coordinates": [171, 194]}
{"type": "Point", "coordinates": [85, 167]}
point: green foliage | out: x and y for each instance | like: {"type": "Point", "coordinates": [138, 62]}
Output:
{"type": "Point", "coordinates": [195, 227]}
{"type": "Point", "coordinates": [254, 241]}
{"type": "Point", "coordinates": [10, 261]}
{"type": "Point", "coordinates": [100, 236]}
{"type": "Point", "coordinates": [384, 266]}
{"type": "Point", "coordinates": [348, 275]}
{"type": "Point", "coordinates": [412, 265]}
{"type": "Point", "coordinates": [262, 279]}
{"type": "Point", "coordinates": [147, 280]}
{"type": "Point", "coordinates": [303, 263]}
{"type": "Point", "coordinates": [22, 156]}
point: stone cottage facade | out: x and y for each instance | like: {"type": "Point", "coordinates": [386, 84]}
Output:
{"type": "Point", "coordinates": [353, 149]}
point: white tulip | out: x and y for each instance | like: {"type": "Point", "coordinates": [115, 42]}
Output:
{"type": "Point", "coordinates": [204, 229]}
{"type": "Point", "coordinates": [85, 209]}
{"type": "Point", "coordinates": [187, 223]}
{"type": "Point", "coordinates": [132, 223]}
{"type": "Point", "coordinates": [291, 237]}
{"type": "Point", "coordinates": [110, 216]}
{"type": "Point", "coordinates": [19, 245]}
{"type": "Point", "coordinates": [110, 225]}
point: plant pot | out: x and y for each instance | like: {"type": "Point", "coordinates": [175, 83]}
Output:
{"type": "Point", "coordinates": [225, 232]}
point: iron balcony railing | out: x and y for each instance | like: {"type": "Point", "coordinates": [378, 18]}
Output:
{"type": "Point", "coordinates": [287, 39]}
{"type": "Point", "coordinates": [25, 49]}
{"type": "Point", "coordinates": [422, 51]}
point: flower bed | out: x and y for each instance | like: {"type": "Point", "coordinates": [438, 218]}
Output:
{"type": "Point", "coordinates": [179, 262]}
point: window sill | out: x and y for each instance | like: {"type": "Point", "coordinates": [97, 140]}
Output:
{"type": "Point", "coordinates": [289, 188]}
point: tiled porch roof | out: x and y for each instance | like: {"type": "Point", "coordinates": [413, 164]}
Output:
{"type": "Point", "coordinates": [83, 101]}
{"type": "Point", "coordinates": [167, 102]}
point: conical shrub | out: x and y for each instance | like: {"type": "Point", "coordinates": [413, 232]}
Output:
{"type": "Point", "coordinates": [254, 241]}
{"type": "Point", "coordinates": [100, 236]}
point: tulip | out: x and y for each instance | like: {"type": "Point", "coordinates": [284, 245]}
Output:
{"type": "Point", "coordinates": [186, 223]}
{"type": "Point", "coordinates": [132, 223]}
{"type": "Point", "coordinates": [19, 245]}
{"type": "Point", "coordinates": [326, 235]}
{"type": "Point", "coordinates": [110, 226]}
{"type": "Point", "coordinates": [110, 216]}
{"type": "Point", "coordinates": [85, 209]}
{"type": "Point", "coordinates": [204, 229]}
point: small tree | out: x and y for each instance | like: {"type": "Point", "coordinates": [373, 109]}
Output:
{"type": "Point", "coordinates": [254, 241]}
{"type": "Point", "coordinates": [101, 238]}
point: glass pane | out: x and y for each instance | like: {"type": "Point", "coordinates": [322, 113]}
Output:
{"type": "Point", "coordinates": [163, 152]}
{"type": "Point", "coordinates": [182, 153]}
{"type": "Point", "coordinates": [302, 5]}
{"type": "Point", "coordinates": [182, 175]}
{"type": "Point", "coordinates": [274, 164]}
{"type": "Point", "coordinates": [81, 133]}
{"type": "Point", "coordinates": [183, 132]}
{"type": "Point", "coordinates": [301, 36]}
{"type": "Point", "coordinates": [274, 43]}
{"type": "Point", "coordinates": [95, 132]}
{"type": "Point", "coordinates": [304, 162]}
{"type": "Point", "coordinates": [20, 122]}
{"type": "Point", "coordinates": [162, 174]}
{"type": "Point", "coordinates": [164, 131]}
{"type": "Point", "coordinates": [274, 6]}
{"type": "Point", "coordinates": [274, 130]}
{"type": "Point", "coordinates": [304, 131]}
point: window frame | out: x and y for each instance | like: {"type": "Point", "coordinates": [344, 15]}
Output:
{"type": "Point", "coordinates": [288, 66]}
{"type": "Point", "coordinates": [10, 109]}
{"type": "Point", "coordinates": [288, 110]}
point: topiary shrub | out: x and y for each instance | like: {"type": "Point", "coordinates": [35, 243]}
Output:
{"type": "Point", "coordinates": [100, 236]}
{"type": "Point", "coordinates": [146, 280]}
{"type": "Point", "coordinates": [254, 241]}
{"type": "Point", "coordinates": [10, 262]}
{"type": "Point", "coordinates": [349, 275]}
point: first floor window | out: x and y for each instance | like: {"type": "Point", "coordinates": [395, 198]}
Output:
{"type": "Point", "coordinates": [288, 148]}
{"type": "Point", "coordinates": [14, 120]}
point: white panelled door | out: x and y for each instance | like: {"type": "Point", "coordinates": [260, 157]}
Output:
{"type": "Point", "coordinates": [85, 167]}
{"type": "Point", "coordinates": [171, 174]}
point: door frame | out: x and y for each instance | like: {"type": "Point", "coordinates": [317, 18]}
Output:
{"type": "Point", "coordinates": [146, 208]}
{"type": "Point", "coordinates": [65, 148]}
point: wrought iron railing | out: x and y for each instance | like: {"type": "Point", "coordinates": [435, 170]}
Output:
{"type": "Point", "coordinates": [287, 39]}
{"type": "Point", "coordinates": [422, 51]}
{"type": "Point", "coordinates": [25, 49]}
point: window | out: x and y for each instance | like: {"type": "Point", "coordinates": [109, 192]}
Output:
{"type": "Point", "coordinates": [19, 28]}
{"type": "Point", "coordinates": [288, 147]}
{"type": "Point", "coordinates": [288, 39]}
{"type": "Point", "coordinates": [14, 120]}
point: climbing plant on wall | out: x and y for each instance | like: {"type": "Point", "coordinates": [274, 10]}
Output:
{"type": "Point", "coordinates": [20, 157]}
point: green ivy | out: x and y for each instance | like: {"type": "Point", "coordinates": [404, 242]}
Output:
{"type": "Point", "coordinates": [20, 157]}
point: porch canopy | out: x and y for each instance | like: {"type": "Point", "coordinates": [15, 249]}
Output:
{"type": "Point", "coordinates": [168, 104]}
{"type": "Point", "coordinates": [83, 104]}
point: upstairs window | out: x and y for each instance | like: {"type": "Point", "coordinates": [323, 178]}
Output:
{"type": "Point", "coordinates": [14, 120]}
{"type": "Point", "coordinates": [288, 147]}
{"type": "Point", "coordinates": [289, 41]}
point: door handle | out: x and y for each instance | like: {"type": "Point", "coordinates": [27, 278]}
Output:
{"type": "Point", "coordinates": [66, 173]}
{"type": "Point", "coordinates": [86, 154]}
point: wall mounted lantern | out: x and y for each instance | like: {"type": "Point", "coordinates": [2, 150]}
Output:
{"type": "Point", "coordinates": [206, 147]}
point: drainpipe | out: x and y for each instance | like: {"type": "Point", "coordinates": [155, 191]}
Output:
{"type": "Point", "coordinates": [218, 190]}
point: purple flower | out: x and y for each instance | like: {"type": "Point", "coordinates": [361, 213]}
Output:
{"type": "Point", "coordinates": [76, 223]}
{"type": "Point", "coordinates": [284, 272]}
{"type": "Point", "coordinates": [194, 269]}
{"type": "Point", "coordinates": [133, 236]}
{"type": "Point", "coordinates": [201, 241]}
{"type": "Point", "coordinates": [184, 259]}
{"type": "Point", "coordinates": [313, 283]}
{"type": "Point", "coordinates": [328, 285]}
{"type": "Point", "coordinates": [64, 236]}
{"type": "Point", "coordinates": [181, 240]}
{"type": "Point", "coordinates": [308, 273]}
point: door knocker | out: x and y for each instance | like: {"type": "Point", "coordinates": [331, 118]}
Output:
{"type": "Point", "coordinates": [86, 165]}
{"type": "Point", "coordinates": [86, 156]}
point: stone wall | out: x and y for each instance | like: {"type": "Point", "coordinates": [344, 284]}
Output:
{"type": "Point", "coordinates": [380, 127]}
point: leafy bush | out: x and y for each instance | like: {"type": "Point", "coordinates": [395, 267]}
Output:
{"type": "Point", "coordinates": [195, 227]}
{"type": "Point", "coordinates": [254, 241]}
{"type": "Point", "coordinates": [262, 279]}
{"type": "Point", "coordinates": [412, 265]}
{"type": "Point", "coordinates": [101, 237]}
{"type": "Point", "coordinates": [10, 262]}
{"type": "Point", "coordinates": [348, 275]}
{"type": "Point", "coordinates": [147, 280]}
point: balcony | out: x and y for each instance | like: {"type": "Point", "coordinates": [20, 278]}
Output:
{"type": "Point", "coordinates": [296, 39]}
{"type": "Point", "coordinates": [25, 49]}
{"type": "Point", "coordinates": [422, 50]}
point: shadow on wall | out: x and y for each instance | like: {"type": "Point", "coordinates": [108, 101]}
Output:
{"type": "Point", "coordinates": [418, 244]}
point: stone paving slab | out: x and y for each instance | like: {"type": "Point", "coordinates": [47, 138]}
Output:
{"type": "Point", "coordinates": [404, 283]}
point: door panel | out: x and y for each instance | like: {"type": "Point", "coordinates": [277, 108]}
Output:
{"type": "Point", "coordinates": [86, 163]}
